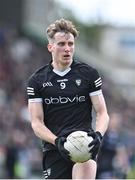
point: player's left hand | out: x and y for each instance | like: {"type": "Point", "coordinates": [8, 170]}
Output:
{"type": "Point", "coordinates": [96, 143]}
{"type": "Point", "coordinates": [59, 142]}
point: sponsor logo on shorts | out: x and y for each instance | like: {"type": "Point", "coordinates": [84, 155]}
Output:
{"type": "Point", "coordinates": [47, 173]}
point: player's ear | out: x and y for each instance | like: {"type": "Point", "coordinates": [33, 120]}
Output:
{"type": "Point", "coordinates": [50, 47]}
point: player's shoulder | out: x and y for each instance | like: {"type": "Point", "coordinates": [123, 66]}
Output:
{"type": "Point", "coordinates": [40, 72]}
{"type": "Point", "coordinates": [84, 67]}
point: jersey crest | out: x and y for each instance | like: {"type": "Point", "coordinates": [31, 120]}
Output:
{"type": "Point", "coordinates": [78, 82]}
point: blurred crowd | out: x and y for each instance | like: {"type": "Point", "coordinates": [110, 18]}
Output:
{"type": "Point", "coordinates": [20, 149]}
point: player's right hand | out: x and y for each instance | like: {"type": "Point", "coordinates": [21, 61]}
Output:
{"type": "Point", "coordinates": [59, 143]}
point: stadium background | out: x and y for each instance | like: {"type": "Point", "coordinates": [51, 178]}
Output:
{"type": "Point", "coordinates": [23, 49]}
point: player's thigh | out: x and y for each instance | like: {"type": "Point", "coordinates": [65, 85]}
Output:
{"type": "Point", "coordinates": [86, 170]}
{"type": "Point", "coordinates": [55, 167]}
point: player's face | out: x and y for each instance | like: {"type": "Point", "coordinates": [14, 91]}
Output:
{"type": "Point", "coordinates": [62, 48]}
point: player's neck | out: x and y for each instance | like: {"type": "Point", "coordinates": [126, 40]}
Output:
{"type": "Point", "coordinates": [59, 66]}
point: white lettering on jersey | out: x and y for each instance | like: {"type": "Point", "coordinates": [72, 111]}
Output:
{"type": "Point", "coordinates": [62, 80]}
{"type": "Point", "coordinates": [64, 100]}
{"type": "Point", "coordinates": [47, 84]}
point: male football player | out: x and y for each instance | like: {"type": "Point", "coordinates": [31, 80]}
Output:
{"type": "Point", "coordinates": [60, 99]}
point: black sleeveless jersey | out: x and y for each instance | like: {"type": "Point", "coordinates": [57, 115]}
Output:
{"type": "Point", "coordinates": [65, 96]}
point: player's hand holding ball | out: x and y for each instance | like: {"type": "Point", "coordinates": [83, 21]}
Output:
{"type": "Point", "coordinates": [59, 142]}
{"type": "Point", "coordinates": [77, 145]}
{"type": "Point", "coordinates": [96, 143]}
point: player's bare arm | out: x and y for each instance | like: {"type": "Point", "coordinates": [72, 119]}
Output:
{"type": "Point", "coordinates": [102, 118]}
{"type": "Point", "coordinates": [36, 115]}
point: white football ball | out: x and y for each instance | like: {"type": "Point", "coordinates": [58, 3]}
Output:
{"type": "Point", "coordinates": [77, 145]}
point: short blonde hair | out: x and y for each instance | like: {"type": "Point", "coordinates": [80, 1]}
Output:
{"type": "Point", "coordinates": [61, 25]}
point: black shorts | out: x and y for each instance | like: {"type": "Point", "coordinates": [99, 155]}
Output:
{"type": "Point", "coordinates": [55, 167]}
